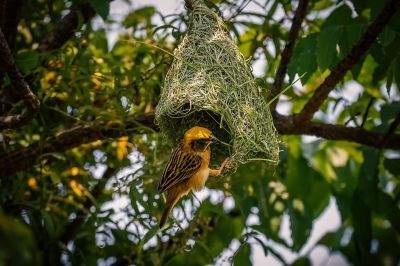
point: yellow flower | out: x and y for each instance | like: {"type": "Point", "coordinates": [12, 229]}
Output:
{"type": "Point", "coordinates": [32, 183]}
{"type": "Point", "coordinates": [76, 187]}
{"type": "Point", "coordinates": [122, 148]}
{"type": "Point", "coordinates": [74, 171]}
{"type": "Point", "coordinates": [51, 79]}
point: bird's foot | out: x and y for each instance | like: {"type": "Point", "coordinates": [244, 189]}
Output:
{"type": "Point", "coordinates": [225, 164]}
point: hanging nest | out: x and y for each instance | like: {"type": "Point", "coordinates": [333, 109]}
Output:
{"type": "Point", "coordinates": [210, 84]}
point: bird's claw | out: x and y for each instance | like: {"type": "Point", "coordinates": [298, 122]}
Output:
{"type": "Point", "coordinates": [225, 164]}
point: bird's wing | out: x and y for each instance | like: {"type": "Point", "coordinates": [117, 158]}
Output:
{"type": "Point", "coordinates": [181, 166]}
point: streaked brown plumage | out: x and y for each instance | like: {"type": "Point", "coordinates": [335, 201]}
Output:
{"type": "Point", "coordinates": [187, 168]}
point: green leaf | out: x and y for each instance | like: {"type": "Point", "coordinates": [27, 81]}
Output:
{"type": "Point", "coordinates": [356, 69]}
{"type": "Point", "coordinates": [102, 7]}
{"type": "Point", "coordinates": [26, 60]}
{"type": "Point", "coordinates": [140, 16]}
{"type": "Point", "coordinates": [300, 226]}
{"type": "Point", "coordinates": [226, 227]}
{"type": "Point", "coordinates": [307, 65]}
{"type": "Point", "coordinates": [50, 225]}
{"type": "Point", "coordinates": [303, 261]}
{"type": "Point", "coordinates": [100, 42]}
{"type": "Point", "coordinates": [389, 80]}
{"type": "Point", "coordinates": [374, 7]}
{"type": "Point", "coordinates": [152, 232]}
{"type": "Point", "coordinates": [360, 5]}
{"type": "Point", "coordinates": [340, 16]}
{"type": "Point", "coordinates": [247, 42]}
{"type": "Point", "coordinates": [347, 178]}
{"type": "Point", "coordinates": [309, 194]}
{"type": "Point", "coordinates": [377, 53]}
{"type": "Point", "coordinates": [387, 206]}
{"type": "Point", "coordinates": [389, 112]}
{"type": "Point", "coordinates": [229, 228]}
{"type": "Point", "coordinates": [326, 46]}
{"type": "Point", "coordinates": [395, 25]}
{"type": "Point", "coordinates": [17, 245]}
{"type": "Point", "coordinates": [242, 256]}
{"type": "Point", "coordinates": [368, 177]}
{"type": "Point", "coordinates": [303, 60]}
{"type": "Point", "coordinates": [396, 70]}
{"type": "Point", "coordinates": [393, 166]}
{"type": "Point", "coordinates": [361, 214]}
{"type": "Point", "coordinates": [387, 36]}
{"type": "Point", "coordinates": [388, 240]}
{"type": "Point", "coordinates": [363, 199]}
{"type": "Point", "coordinates": [307, 185]}
{"type": "Point", "coordinates": [351, 35]}
{"type": "Point", "coordinates": [176, 34]}
{"type": "Point", "coordinates": [333, 239]}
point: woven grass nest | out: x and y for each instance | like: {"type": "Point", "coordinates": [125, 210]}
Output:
{"type": "Point", "coordinates": [210, 84]}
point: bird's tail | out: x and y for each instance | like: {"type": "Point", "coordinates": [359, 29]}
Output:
{"type": "Point", "coordinates": [168, 207]}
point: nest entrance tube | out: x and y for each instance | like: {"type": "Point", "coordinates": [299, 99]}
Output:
{"type": "Point", "coordinates": [210, 84]}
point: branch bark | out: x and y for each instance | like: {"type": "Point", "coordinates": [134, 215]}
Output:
{"type": "Point", "coordinates": [20, 85]}
{"type": "Point", "coordinates": [10, 11]}
{"type": "Point", "coordinates": [9, 19]}
{"type": "Point", "coordinates": [289, 125]}
{"type": "Point", "coordinates": [288, 51]}
{"type": "Point", "coordinates": [25, 158]}
{"type": "Point", "coordinates": [355, 54]}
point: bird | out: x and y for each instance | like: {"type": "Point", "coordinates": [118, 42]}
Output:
{"type": "Point", "coordinates": [188, 167]}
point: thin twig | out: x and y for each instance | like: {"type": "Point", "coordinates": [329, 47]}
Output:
{"type": "Point", "coordinates": [288, 51]}
{"type": "Point", "coordinates": [240, 8]}
{"type": "Point", "coordinates": [365, 116]}
{"type": "Point", "coordinates": [20, 85]}
{"type": "Point", "coordinates": [352, 119]}
{"type": "Point", "coordinates": [355, 54]}
{"type": "Point", "coordinates": [391, 131]}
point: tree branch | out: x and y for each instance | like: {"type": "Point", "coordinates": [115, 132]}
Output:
{"type": "Point", "coordinates": [25, 158]}
{"type": "Point", "coordinates": [19, 84]}
{"type": "Point", "coordinates": [9, 20]}
{"type": "Point", "coordinates": [391, 131]}
{"type": "Point", "coordinates": [288, 51]}
{"type": "Point", "coordinates": [355, 54]}
{"type": "Point", "coordinates": [60, 34]}
{"type": "Point", "coordinates": [10, 11]}
{"type": "Point", "coordinates": [289, 125]}
{"type": "Point", "coordinates": [65, 29]}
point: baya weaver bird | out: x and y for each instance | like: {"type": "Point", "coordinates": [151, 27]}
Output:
{"type": "Point", "coordinates": [188, 168]}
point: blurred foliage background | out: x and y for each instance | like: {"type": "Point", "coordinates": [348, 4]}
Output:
{"type": "Point", "coordinates": [97, 203]}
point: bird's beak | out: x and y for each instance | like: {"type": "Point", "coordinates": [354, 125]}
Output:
{"type": "Point", "coordinates": [214, 139]}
